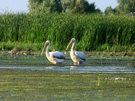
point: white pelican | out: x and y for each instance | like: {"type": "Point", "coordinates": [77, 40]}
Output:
{"type": "Point", "coordinates": [77, 57]}
{"type": "Point", "coordinates": [54, 57]}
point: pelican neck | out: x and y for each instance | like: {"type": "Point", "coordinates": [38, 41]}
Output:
{"type": "Point", "coordinates": [72, 48]}
{"type": "Point", "coordinates": [47, 50]}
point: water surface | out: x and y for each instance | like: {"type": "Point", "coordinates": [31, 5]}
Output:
{"type": "Point", "coordinates": [35, 78]}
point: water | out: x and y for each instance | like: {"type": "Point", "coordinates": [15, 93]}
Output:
{"type": "Point", "coordinates": [35, 78]}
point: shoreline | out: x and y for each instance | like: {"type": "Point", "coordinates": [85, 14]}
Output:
{"type": "Point", "coordinates": [99, 54]}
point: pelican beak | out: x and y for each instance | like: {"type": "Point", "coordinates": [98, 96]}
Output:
{"type": "Point", "coordinates": [43, 49]}
{"type": "Point", "coordinates": [69, 45]}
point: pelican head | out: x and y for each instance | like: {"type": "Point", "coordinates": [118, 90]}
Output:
{"type": "Point", "coordinates": [72, 41]}
{"type": "Point", "coordinates": [46, 44]}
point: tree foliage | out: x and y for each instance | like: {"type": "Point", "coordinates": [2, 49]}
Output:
{"type": "Point", "coordinates": [46, 6]}
{"type": "Point", "coordinates": [79, 6]}
{"type": "Point", "coordinates": [65, 6]}
{"type": "Point", "coordinates": [110, 11]}
{"type": "Point", "coordinates": [127, 6]}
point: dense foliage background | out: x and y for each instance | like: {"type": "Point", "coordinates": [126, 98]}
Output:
{"type": "Point", "coordinates": [62, 6]}
{"type": "Point", "coordinates": [61, 20]}
{"type": "Point", "coordinates": [92, 31]}
{"type": "Point", "coordinates": [125, 7]}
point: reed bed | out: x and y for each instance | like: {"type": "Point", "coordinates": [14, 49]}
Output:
{"type": "Point", "coordinates": [92, 32]}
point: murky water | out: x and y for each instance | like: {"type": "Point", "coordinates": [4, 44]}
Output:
{"type": "Point", "coordinates": [35, 78]}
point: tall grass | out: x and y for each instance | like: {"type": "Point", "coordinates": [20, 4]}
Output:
{"type": "Point", "coordinates": [92, 32]}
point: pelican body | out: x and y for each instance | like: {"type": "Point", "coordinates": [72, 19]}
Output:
{"type": "Point", "coordinates": [54, 57]}
{"type": "Point", "coordinates": [77, 57]}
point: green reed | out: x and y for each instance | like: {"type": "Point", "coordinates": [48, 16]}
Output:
{"type": "Point", "coordinates": [92, 32]}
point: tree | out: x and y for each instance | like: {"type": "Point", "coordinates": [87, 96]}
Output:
{"type": "Point", "coordinates": [78, 6]}
{"type": "Point", "coordinates": [116, 10]}
{"type": "Point", "coordinates": [46, 6]}
{"type": "Point", "coordinates": [127, 6]}
{"type": "Point", "coordinates": [109, 11]}
{"type": "Point", "coordinates": [65, 6]}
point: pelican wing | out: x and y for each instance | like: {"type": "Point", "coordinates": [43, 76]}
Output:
{"type": "Point", "coordinates": [81, 55]}
{"type": "Point", "coordinates": [58, 55]}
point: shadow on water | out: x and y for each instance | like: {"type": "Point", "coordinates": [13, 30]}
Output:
{"type": "Point", "coordinates": [35, 78]}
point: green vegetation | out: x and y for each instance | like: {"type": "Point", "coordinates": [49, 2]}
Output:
{"type": "Point", "coordinates": [62, 6]}
{"type": "Point", "coordinates": [92, 32]}
{"type": "Point", "coordinates": [125, 7]}
{"type": "Point", "coordinates": [23, 84]}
